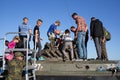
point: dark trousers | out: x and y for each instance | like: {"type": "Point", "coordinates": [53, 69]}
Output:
{"type": "Point", "coordinates": [24, 41]}
{"type": "Point", "coordinates": [39, 47]}
{"type": "Point", "coordinates": [97, 41]}
{"type": "Point", "coordinates": [104, 52]}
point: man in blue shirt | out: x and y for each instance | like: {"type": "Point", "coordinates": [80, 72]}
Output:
{"type": "Point", "coordinates": [52, 32]}
{"type": "Point", "coordinates": [24, 29]}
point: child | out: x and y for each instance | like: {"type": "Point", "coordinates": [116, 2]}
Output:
{"type": "Point", "coordinates": [11, 45]}
{"type": "Point", "coordinates": [67, 45]}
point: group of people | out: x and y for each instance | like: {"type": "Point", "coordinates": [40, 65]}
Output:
{"type": "Point", "coordinates": [76, 49]}
{"type": "Point", "coordinates": [14, 59]}
{"type": "Point", "coordinates": [61, 43]}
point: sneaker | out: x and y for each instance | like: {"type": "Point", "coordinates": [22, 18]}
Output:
{"type": "Point", "coordinates": [79, 60]}
{"type": "Point", "coordinates": [33, 58]}
{"type": "Point", "coordinates": [73, 60]}
{"type": "Point", "coordinates": [41, 58]}
{"type": "Point", "coordinates": [85, 59]}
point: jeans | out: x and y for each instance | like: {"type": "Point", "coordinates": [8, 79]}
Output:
{"type": "Point", "coordinates": [81, 45]}
{"type": "Point", "coordinates": [97, 42]}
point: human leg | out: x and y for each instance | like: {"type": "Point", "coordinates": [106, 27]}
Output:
{"type": "Point", "coordinates": [83, 45]}
{"type": "Point", "coordinates": [97, 42]}
{"type": "Point", "coordinates": [79, 40]}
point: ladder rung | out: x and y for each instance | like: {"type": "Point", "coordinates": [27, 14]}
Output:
{"type": "Point", "coordinates": [30, 76]}
{"type": "Point", "coordinates": [1, 76]}
{"type": "Point", "coordinates": [31, 67]}
{"type": "Point", "coordinates": [20, 49]}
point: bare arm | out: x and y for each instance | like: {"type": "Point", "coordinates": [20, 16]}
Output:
{"type": "Point", "coordinates": [36, 35]}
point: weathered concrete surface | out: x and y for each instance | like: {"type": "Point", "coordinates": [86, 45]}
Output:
{"type": "Point", "coordinates": [76, 78]}
{"type": "Point", "coordinates": [74, 68]}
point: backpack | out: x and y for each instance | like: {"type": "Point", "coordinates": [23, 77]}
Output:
{"type": "Point", "coordinates": [107, 34]}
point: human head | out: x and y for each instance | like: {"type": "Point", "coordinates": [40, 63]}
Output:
{"type": "Point", "coordinates": [57, 23]}
{"type": "Point", "coordinates": [67, 31]}
{"type": "Point", "coordinates": [93, 18]}
{"type": "Point", "coordinates": [74, 15]}
{"type": "Point", "coordinates": [19, 55]}
{"type": "Point", "coordinates": [72, 28]}
{"type": "Point", "coordinates": [39, 22]}
{"type": "Point", "coordinates": [16, 39]}
{"type": "Point", "coordinates": [6, 42]}
{"type": "Point", "coordinates": [25, 20]}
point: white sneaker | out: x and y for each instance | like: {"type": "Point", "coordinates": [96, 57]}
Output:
{"type": "Point", "coordinates": [79, 59]}
{"type": "Point", "coordinates": [85, 59]}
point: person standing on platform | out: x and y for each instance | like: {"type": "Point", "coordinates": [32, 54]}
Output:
{"type": "Point", "coordinates": [81, 33]}
{"type": "Point", "coordinates": [97, 34]}
{"type": "Point", "coordinates": [37, 38]}
{"type": "Point", "coordinates": [24, 28]}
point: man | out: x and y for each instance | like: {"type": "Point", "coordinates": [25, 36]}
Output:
{"type": "Point", "coordinates": [97, 34]}
{"type": "Point", "coordinates": [15, 67]}
{"type": "Point", "coordinates": [36, 37]}
{"type": "Point", "coordinates": [73, 29]}
{"type": "Point", "coordinates": [24, 28]}
{"type": "Point", "coordinates": [81, 32]}
{"type": "Point", "coordinates": [104, 55]}
{"type": "Point", "coordinates": [75, 48]}
{"type": "Point", "coordinates": [52, 33]}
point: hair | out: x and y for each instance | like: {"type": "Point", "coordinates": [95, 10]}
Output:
{"type": "Point", "coordinates": [67, 31]}
{"type": "Point", "coordinates": [57, 21]}
{"type": "Point", "coordinates": [25, 18]}
{"type": "Point", "coordinates": [72, 27]}
{"type": "Point", "coordinates": [6, 42]}
{"type": "Point", "coordinates": [74, 14]}
{"type": "Point", "coordinates": [93, 18]}
{"type": "Point", "coordinates": [40, 20]}
{"type": "Point", "coordinates": [16, 38]}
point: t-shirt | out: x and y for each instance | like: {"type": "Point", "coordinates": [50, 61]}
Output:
{"type": "Point", "coordinates": [36, 28]}
{"type": "Point", "coordinates": [52, 28]}
{"type": "Point", "coordinates": [67, 37]}
{"type": "Point", "coordinates": [24, 28]}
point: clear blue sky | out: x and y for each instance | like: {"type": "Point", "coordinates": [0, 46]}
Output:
{"type": "Point", "coordinates": [108, 11]}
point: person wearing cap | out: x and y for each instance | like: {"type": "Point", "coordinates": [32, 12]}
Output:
{"type": "Point", "coordinates": [80, 34]}
{"type": "Point", "coordinates": [15, 67]}
{"type": "Point", "coordinates": [24, 28]}
{"type": "Point", "coordinates": [52, 32]}
{"type": "Point", "coordinates": [97, 34]}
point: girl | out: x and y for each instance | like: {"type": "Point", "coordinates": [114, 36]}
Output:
{"type": "Point", "coordinates": [11, 45]}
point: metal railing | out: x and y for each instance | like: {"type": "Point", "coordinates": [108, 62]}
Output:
{"type": "Point", "coordinates": [22, 49]}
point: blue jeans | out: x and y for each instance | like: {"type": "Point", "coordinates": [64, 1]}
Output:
{"type": "Point", "coordinates": [81, 45]}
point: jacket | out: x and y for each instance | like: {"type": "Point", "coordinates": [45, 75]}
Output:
{"type": "Point", "coordinates": [96, 28]}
